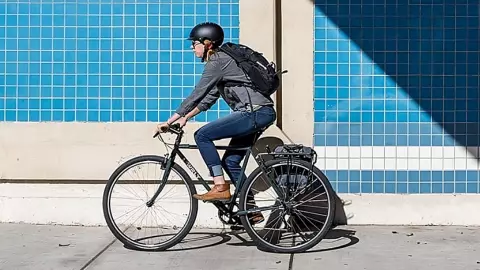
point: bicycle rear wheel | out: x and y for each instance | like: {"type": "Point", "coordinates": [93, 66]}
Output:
{"type": "Point", "coordinates": [302, 219]}
{"type": "Point", "coordinates": [123, 197]}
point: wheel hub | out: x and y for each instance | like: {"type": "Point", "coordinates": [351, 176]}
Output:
{"type": "Point", "coordinates": [150, 203]}
{"type": "Point", "coordinates": [288, 206]}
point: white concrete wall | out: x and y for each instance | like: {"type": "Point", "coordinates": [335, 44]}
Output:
{"type": "Point", "coordinates": [74, 204]}
{"type": "Point", "coordinates": [86, 151]}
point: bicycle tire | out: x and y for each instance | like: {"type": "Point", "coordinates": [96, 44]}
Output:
{"type": "Point", "coordinates": [313, 242]}
{"type": "Point", "coordinates": [107, 211]}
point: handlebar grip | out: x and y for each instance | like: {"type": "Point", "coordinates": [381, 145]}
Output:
{"type": "Point", "coordinates": [175, 128]}
{"type": "Point", "coordinates": [165, 129]}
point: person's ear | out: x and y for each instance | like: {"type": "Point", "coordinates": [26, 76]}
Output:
{"type": "Point", "coordinates": [209, 45]}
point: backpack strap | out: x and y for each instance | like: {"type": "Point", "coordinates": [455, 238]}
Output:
{"type": "Point", "coordinates": [239, 58]}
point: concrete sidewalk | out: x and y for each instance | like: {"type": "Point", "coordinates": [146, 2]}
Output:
{"type": "Point", "coordinates": [42, 247]}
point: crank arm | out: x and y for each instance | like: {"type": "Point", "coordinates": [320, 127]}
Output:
{"type": "Point", "coordinates": [259, 209]}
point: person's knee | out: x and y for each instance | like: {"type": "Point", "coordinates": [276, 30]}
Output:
{"type": "Point", "coordinates": [204, 134]}
{"type": "Point", "coordinates": [199, 135]}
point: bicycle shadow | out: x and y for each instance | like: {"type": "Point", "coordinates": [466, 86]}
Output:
{"type": "Point", "coordinates": [200, 240]}
{"type": "Point", "coordinates": [193, 241]}
{"type": "Point", "coordinates": [196, 241]}
{"type": "Point", "coordinates": [334, 234]}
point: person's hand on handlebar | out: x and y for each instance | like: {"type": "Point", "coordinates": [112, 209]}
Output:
{"type": "Point", "coordinates": [163, 127]}
{"type": "Point", "coordinates": [182, 121]}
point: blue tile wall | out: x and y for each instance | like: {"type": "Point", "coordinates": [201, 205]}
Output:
{"type": "Point", "coordinates": [404, 182]}
{"type": "Point", "coordinates": [103, 60]}
{"type": "Point", "coordinates": [397, 74]}
{"type": "Point", "coordinates": [401, 74]}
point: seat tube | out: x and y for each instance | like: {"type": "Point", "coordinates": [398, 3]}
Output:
{"type": "Point", "coordinates": [244, 168]}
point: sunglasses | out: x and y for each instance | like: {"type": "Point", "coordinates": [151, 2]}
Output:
{"type": "Point", "coordinates": [195, 43]}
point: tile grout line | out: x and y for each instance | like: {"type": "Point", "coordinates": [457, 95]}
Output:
{"type": "Point", "coordinates": [98, 255]}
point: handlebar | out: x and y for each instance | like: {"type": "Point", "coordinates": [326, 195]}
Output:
{"type": "Point", "coordinates": [175, 129]}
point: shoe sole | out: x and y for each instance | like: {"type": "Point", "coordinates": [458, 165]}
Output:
{"type": "Point", "coordinates": [215, 200]}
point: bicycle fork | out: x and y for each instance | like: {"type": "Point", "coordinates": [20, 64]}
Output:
{"type": "Point", "coordinates": [163, 183]}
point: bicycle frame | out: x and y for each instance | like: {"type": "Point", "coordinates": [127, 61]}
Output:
{"type": "Point", "coordinates": [222, 206]}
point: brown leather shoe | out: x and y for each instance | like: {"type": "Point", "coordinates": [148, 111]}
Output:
{"type": "Point", "coordinates": [217, 193]}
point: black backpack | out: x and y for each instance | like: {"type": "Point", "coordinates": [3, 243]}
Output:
{"type": "Point", "coordinates": [262, 73]}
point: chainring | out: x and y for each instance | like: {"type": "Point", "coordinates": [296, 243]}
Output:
{"type": "Point", "coordinates": [226, 219]}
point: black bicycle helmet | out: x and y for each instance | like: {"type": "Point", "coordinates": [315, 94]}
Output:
{"type": "Point", "coordinates": [207, 30]}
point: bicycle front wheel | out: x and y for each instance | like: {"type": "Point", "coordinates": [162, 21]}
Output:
{"type": "Point", "coordinates": [296, 202]}
{"type": "Point", "coordinates": [138, 224]}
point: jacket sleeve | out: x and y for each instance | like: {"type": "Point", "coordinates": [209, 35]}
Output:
{"type": "Point", "coordinates": [210, 99]}
{"type": "Point", "coordinates": [205, 91]}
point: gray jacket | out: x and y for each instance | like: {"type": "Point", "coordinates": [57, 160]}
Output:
{"type": "Point", "coordinates": [221, 68]}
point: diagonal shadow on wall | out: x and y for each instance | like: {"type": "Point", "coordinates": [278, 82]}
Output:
{"type": "Point", "coordinates": [431, 50]}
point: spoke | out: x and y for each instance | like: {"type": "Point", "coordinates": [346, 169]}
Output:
{"type": "Point", "coordinates": [143, 224]}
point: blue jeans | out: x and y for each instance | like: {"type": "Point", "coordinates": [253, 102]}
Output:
{"type": "Point", "coordinates": [240, 127]}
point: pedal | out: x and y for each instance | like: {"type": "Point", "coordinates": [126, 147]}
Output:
{"type": "Point", "coordinates": [237, 228]}
{"type": "Point", "coordinates": [221, 201]}
{"type": "Point", "coordinates": [347, 202]}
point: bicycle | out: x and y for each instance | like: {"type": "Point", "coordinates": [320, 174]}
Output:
{"type": "Point", "coordinates": [287, 208]}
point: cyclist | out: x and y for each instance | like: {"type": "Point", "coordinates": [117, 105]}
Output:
{"type": "Point", "coordinates": [252, 111]}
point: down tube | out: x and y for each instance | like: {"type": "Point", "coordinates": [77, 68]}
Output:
{"type": "Point", "coordinates": [192, 169]}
